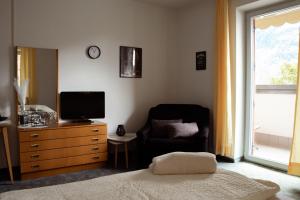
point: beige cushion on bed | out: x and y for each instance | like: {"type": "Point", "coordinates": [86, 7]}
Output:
{"type": "Point", "coordinates": [184, 163]}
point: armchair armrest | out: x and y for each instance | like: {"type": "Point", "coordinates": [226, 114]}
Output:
{"type": "Point", "coordinates": [142, 137]}
{"type": "Point", "coordinates": [203, 136]}
{"type": "Point", "coordinates": [143, 133]}
{"type": "Point", "coordinates": [204, 132]}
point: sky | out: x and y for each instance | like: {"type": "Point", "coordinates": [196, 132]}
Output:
{"type": "Point", "coordinates": [275, 46]}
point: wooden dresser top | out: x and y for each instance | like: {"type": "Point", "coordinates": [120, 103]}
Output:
{"type": "Point", "coordinates": [62, 125]}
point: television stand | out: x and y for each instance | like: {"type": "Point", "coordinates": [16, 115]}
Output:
{"type": "Point", "coordinates": [62, 148]}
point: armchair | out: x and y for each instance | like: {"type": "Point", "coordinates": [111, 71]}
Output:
{"type": "Point", "coordinates": [149, 146]}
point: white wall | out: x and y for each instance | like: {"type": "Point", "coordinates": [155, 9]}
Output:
{"type": "Point", "coordinates": [196, 32]}
{"type": "Point", "coordinates": [169, 39]}
{"type": "Point", "coordinates": [5, 58]}
{"type": "Point", "coordinates": [72, 25]}
{"type": "Point", "coordinates": [7, 98]}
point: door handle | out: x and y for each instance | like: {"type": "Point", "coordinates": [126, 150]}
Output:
{"type": "Point", "coordinates": [95, 130]}
{"type": "Point", "coordinates": [95, 148]}
{"type": "Point", "coordinates": [96, 157]}
{"type": "Point", "coordinates": [95, 139]}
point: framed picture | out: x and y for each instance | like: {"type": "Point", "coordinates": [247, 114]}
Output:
{"type": "Point", "coordinates": [201, 60]}
{"type": "Point", "coordinates": [130, 62]}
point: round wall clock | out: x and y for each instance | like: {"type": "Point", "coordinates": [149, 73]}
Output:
{"type": "Point", "coordinates": [93, 52]}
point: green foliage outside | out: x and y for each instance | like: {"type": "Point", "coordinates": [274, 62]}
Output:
{"type": "Point", "coordinates": [288, 75]}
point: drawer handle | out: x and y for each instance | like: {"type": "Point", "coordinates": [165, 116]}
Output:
{"type": "Point", "coordinates": [34, 135]}
{"type": "Point", "coordinates": [35, 166]}
{"type": "Point", "coordinates": [35, 145]}
{"type": "Point", "coordinates": [35, 156]}
{"type": "Point", "coordinates": [95, 148]}
{"type": "Point", "coordinates": [96, 157]}
{"type": "Point", "coordinates": [95, 139]}
{"type": "Point", "coordinates": [95, 130]}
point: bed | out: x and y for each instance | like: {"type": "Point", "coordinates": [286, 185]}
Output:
{"type": "Point", "coordinates": [144, 185]}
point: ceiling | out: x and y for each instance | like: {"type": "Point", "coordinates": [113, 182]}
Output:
{"type": "Point", "coordinates": [171, 3]}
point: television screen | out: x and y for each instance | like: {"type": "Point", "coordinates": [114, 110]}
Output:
{"type": "Point", "coordinates": [82, 105]}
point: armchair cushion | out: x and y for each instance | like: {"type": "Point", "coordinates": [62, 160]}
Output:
{"type": "Point", "coordinates": [159, 127]}
{"type": "Point", "coordinates": [176, 130]}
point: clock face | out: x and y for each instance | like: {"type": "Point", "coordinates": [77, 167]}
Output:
{"type": "Point", "coordinates": [94, 52]}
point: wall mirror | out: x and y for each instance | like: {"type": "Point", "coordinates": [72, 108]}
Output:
{"type": "Point", "coordinates": [37, 70]}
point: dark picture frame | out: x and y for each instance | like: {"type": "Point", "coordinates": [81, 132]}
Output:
{"type": "Point", "coordinates": [130, 62]}
{"type": "Point", "coordinates": [201, 60]}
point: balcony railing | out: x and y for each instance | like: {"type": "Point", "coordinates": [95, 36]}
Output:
{"type": "Point", "coordinates": [274, 107]}
{"type": "Point", "coordinates": [276, 89]}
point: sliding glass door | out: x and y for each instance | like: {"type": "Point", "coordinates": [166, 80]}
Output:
{"type": "Point", "coordinates": [271, 84]}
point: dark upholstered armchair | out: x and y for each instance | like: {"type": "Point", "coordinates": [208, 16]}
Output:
{"type": "Point", "coordinates": [149, 146]}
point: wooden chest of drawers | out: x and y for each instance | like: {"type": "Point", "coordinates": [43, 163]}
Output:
{"type": "Point", "coordinates": [61, 149]}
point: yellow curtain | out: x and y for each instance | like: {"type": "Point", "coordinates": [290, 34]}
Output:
{"type": "Point", "coordinates": [28, 72]}
{"type": "Point", "coordinates": [224, 136]}
{"type": "Point", "coordinates": [294, 165]}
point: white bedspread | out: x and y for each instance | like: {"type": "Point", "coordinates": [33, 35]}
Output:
{"type": "Point", "coordinates": [143, 185]}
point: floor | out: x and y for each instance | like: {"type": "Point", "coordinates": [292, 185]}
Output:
{"type": "Point", "coordinates": [279, 155]}
{"type": "Point", "coordinates": [290, 185]}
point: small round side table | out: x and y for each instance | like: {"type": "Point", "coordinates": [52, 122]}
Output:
{"type": "Point", "coordinates": [116, 140]}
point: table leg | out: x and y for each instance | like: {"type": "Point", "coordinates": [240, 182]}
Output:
{"type": "Point", "coordinates": [126, 154]}
{"type": "Point", "coordinates": [6, 144]}
{"type": "Point", "coordinates": [116, 155]}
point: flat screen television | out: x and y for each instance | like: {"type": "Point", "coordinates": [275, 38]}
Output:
{"type": "Point", "coordinates": [82, 106]}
